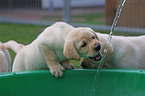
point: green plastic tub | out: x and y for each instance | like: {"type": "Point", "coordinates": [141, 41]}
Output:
{"type": "Point", "coordinates": [78, 82]}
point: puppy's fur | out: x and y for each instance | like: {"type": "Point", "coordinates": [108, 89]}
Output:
{"type": "Point", "coordinates": [122, 52]}
{"type": "Point", "coordinates": [5, 60]}
{"type": "Point", "coordinates": [56, 45]}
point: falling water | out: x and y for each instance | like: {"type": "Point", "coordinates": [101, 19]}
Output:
{"type": "Point", "coordinates": [111, 32]}
{"type": "Point", "coordinates": [108, 41]}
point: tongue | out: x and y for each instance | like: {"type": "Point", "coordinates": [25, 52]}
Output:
{"type": "Point", "coordinates": [97, 57]}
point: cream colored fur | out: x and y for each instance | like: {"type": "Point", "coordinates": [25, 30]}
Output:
{"type": "Point", "coordinates": [123, 52]}
{"type": "Point", "coordinates": [5, 60]}
{"type": "Point", "coordinates": [54, 48]}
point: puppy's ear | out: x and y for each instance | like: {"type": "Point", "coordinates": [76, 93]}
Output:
{"type": "Point", "coordinates": [95, 35]}
{"type": "Point", "coordinates": [70, 51]}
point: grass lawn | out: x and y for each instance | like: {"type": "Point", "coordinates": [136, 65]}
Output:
{"type": "Point", "coordinates": [24, 34]}
{"type": "Point", "coordinates": [93, 18]}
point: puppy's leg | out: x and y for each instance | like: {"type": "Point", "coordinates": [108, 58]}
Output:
{"type": "Point", "coordinates": [8, 57]}
{"type": "Point", "coordinates": [3, 63]}
{"type": "Point", "coordinates": [51, 59]}
{"type": "Point", "coordinates": [67, 64]}
{"type": "Point", "coordinates": [19, 62]}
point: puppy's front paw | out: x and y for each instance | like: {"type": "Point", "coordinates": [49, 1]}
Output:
{"type": "Point", "coordinates": [67, 65]}
{"type": "Point", "coordinates": [57, 71]}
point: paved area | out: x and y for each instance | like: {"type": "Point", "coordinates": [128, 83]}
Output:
{"type": "Point", "coordinates": [38, 14]}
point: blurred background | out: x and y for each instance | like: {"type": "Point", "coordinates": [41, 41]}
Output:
{"type": "Point", "coordinates": [24, 20]}
{"type": "Point", "coordinates": [97, 14]}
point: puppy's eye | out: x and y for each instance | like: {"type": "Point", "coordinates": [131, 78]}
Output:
{"type": "Point", "coordinates": [84, 44]}
{"type": "Point", "coordinates": [93, 37]}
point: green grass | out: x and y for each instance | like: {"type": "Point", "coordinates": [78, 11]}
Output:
{"type": "Point", "coordinates": [21, 33]}
{"type": "Point", "coordinates": [90, 16]}
{"type": "Point", "coordinates": [93, 18]}
{"type": "Point", "coordinates": [24, 34]}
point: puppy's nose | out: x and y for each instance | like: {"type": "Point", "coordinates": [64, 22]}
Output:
{"type": "Point", "coordinates": [98, 47]}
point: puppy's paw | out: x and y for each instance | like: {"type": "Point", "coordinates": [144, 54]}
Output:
{"type": "Point", "coordinates": [57, 71]}
{"type": "Point", "coordinates": [67, 65]}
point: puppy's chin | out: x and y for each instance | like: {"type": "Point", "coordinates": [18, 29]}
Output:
{"type": "Point", "coordinates": [97, 57]}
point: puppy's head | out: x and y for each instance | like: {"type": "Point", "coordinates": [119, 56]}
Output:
{"type": "Point", "coordinates": [82, 42]}
{"type": "Point", "coordinates": [88, 63]}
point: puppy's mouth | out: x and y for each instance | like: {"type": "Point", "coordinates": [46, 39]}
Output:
{"type": "Point", "coordinates": [97, 57]}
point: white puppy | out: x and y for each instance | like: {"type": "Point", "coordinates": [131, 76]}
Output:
{"type": "Point", "coordinates": [5, 60]}
{"type": "Point", "coordinates": [122, 52]}
{"type": "Point", "coordinates": [55, 47]}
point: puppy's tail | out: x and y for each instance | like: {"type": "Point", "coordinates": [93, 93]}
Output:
{"type": "Point", "coordinates": [13, 45]}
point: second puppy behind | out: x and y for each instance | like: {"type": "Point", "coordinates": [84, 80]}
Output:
{"type": "Point", "coordinates": [122, 52]}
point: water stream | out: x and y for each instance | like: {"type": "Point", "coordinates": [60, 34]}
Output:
{"type": "Point", "coordinates": [119, 9]}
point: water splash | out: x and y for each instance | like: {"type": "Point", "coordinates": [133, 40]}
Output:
{"type": "Point", "coordinates": [119, 9]}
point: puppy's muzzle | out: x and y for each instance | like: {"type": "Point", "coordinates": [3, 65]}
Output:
{"type": "Point", "coordinates": [98, 47]}
{"type": "Point", "coordinates": [98, 56]}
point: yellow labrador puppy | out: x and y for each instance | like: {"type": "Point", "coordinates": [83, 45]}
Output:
{"type": "Point", "coordinates": [122, 52]}
{"type": "Point", "coordinates": [5, 60]}
{"type": "Point", "coordinates": [55, 47]}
